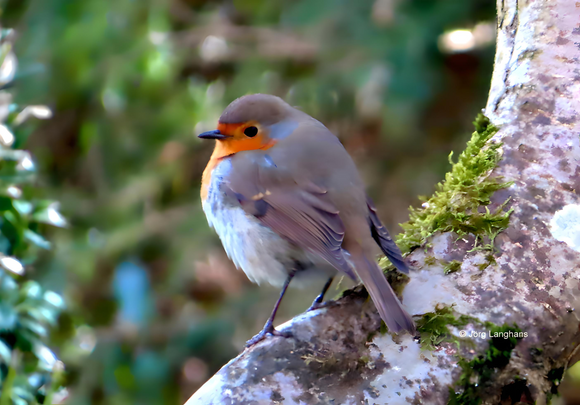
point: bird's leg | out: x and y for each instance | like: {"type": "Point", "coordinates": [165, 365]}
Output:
{"type": "Point", "coordinates": [318, 302]}
{"type": "Point", "coordinates": [269, 326]}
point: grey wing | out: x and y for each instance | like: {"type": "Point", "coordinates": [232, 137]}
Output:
{"type": "Point", "coordinates": [300, 212]}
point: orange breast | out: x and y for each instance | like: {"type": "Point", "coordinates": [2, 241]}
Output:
{"type": "Point", "coordinates": [228, 147]}
{"type": "Point", "coordinates": [206, 178]}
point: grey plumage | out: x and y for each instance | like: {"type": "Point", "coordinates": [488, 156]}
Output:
{"type": "Point", "coordinates": [300, 201]}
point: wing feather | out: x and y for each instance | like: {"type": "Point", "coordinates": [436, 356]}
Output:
{"type": "Point", "coordinates": [299, 211]}
{"type": "Point", "coordinates": [384, 240]}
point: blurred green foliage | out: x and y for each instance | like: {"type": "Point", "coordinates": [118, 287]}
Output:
{"type": "Point", "coordinates": [30, 315]}
{"type": "Point", "coordinates": [152, 297]}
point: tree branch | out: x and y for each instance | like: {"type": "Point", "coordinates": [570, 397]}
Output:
{"type": "Point", "coordinates": [339, 354]}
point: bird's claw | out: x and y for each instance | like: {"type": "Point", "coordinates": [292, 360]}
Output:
{"type": "Point", "coordinates": [318, 303]}
{"type": "Point", "coordinates": [268, 330]}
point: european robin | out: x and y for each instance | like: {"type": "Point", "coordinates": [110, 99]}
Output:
{"type": "Point", "coordinates": [288, 204]}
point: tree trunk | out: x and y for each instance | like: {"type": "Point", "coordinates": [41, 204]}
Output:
{"type": "Point", "coordinates": [338, 354]}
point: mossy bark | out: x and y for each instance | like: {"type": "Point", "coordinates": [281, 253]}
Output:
{"type": "Point", "coordinates": [522, 279]}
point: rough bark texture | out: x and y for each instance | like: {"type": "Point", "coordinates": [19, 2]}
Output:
{"type": "Point", "coordinates": [339, 356]}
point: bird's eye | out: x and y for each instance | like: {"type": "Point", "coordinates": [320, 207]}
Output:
{"type": "Point", "coordinates": [251, 131]}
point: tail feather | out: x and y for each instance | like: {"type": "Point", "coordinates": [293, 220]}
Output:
{"type": "Point", "coordinates": [383, 296]}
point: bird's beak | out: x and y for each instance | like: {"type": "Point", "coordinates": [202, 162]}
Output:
{"type": "Point", "coordinates": [215, 134]}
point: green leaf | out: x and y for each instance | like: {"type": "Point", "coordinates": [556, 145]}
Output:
{"type": "Point", "coordinates": [25, 340]}
{"type": "Point", "coordinates": [8, 287]}
{"type": "Point", "coordinates": [4, 243]}
{"type": "Point", "coordinates": [33, 326]}
{"type": "Point", "coordinates": [5, 203]}
{"type": "Point", "coordinates": [11, 264]}
{"type": "Point", "coordinates": [50, 216]}
{"type": "Point", "coordinates": [54, 299]}
{"type": "Point", "coordinates": [46, 357]}
{"type": "Point", "coordinates": [22, 393]}
{"type": "Point", "coordinates": [19, 401]}
{"type": "Point", "coordinates": [8, 317]}
{"type": "Point", "coordinates": [23, 207]}
{"type": "Point", "coordinates": [36, 239]}
{"type": "Point", "coordinates": [5, 352]}
{"type": "Point", "coordinates": [43, 315]}
{"type": "Point", "coordinates": [12, 218]}
{"type": "Point", "coordinates": [31, 289]}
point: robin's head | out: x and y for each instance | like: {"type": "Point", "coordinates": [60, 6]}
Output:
{"type": "Point", "coordinates": [252, 122]}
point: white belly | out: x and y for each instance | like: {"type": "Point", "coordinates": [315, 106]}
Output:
{"type": "Point", "coordinates": [260, 252]}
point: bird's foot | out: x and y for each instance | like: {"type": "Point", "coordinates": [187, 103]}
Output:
{"type": "Point", "coordinates": [318, 303]}
{"type": "Point", "coordinates": [267, 330]}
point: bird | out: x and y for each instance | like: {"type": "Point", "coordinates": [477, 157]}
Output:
{"type": "Point", "coordinates": [288, 204]}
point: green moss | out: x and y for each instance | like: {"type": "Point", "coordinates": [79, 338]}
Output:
{"type": "Point", "coordinates": [430, 261]}
{"type": "Point", "coordinates": [396, 279]}
{"type": "Point", "coordinates": [555, 376]}
{"type": "Point", "coordinates": [452, 267]}
{"type": "Point", "coordinates": [536, 351]}
{"type": "Point", "coordinates": [383, 329]}
{"type": "Point", "coordinates": [433, 327]}
{"type": "Point", "coordinates": [478, 373]}
{"type": "Point", "coordinates": [460, 202]}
